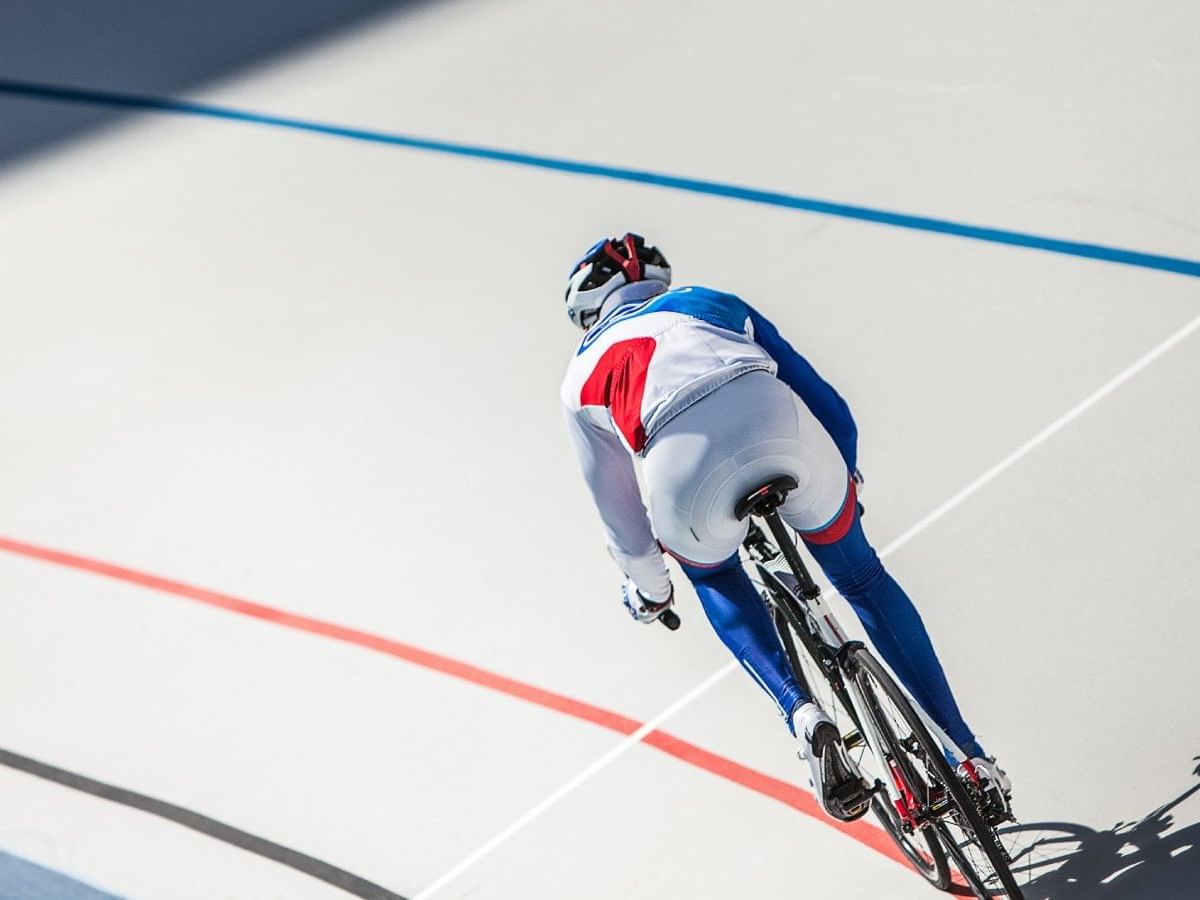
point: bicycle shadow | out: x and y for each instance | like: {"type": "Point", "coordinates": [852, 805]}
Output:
{"type": "Point", "coordinates": [1141, 860]}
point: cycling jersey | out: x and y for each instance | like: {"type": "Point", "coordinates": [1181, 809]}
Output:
{"type": "Point", "coordinates": [642, 364]}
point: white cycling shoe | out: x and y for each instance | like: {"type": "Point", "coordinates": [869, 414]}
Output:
{"type": "Point", "coordinates": [991, 779]}
{"type": "Point", "coordinates": [836, 781]}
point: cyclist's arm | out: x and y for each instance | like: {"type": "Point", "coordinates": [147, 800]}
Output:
{"type": "Point", "coordinates": [608, 470]}
{"type": "Point", "coordinates": [796, 371]}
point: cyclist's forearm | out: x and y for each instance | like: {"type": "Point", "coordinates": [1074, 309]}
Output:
{"type": "Point", "coordinates": [647, 571]}
{"type": "Point", "coordinates": [608, 471]}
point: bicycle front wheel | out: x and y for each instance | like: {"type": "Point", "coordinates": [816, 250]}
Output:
{"type": "Point", "coordinates": [939, 797]}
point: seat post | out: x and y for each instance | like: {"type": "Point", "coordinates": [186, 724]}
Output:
{"type": "Point", "coordinates": [787, 546]}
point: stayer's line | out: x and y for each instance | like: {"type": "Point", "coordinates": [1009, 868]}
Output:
{"type": "Point", "coordinates": [1081, 249]}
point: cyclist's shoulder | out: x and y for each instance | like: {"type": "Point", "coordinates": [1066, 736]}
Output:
{"type": "Point", "coordinates": [707, 304]}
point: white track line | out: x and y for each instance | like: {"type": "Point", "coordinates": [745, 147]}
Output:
{"type": "Point", "coordinates": [632, 740]}
{"type": "Point", "coordinates": [1042, 436]}
{"type": "Point", "coordinates": [579, 779]}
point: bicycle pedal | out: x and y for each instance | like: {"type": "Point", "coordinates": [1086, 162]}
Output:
{"type": "Point", "coordinates": [854, 798]}
{"type": "Point", "coordinates": [852, 740]}
{"type": "Point", "coordinates": [850, 789]}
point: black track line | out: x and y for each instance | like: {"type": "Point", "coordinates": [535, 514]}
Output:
{"type": "Point", "coordinates": [293, 859]}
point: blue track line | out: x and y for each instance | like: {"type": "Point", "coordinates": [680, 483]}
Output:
{"type": "Point", "coordinates": [692, 185]}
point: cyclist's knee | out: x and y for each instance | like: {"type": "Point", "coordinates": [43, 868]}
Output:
{"type": "Point", "coordinates": [851, 562]}
{"type": "Point", "coordinates": [861, 576]}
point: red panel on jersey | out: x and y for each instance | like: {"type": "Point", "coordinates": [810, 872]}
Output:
{"type": "Point", "coordinates": [618, 382]}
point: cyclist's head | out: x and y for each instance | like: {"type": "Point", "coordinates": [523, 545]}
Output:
{"type": "Point", "coordinates": [611, 263]}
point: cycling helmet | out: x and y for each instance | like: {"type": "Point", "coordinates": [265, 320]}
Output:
{"type": "Point", "coordinates": [608, 265]}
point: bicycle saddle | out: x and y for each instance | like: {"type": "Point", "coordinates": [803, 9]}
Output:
{"type": "Point", "coordinates": [767, 498]}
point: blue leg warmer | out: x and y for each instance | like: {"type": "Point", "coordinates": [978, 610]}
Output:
{"type": "Point", "coordinates": [895, 628]}
{"type": "Point", "coordinates": [743, 623]}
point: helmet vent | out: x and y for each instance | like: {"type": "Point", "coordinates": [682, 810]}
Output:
{"type": "Point", "coordinates": [628, 261]}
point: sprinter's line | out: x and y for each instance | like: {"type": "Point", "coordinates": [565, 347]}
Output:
{"type": "Point", "coordinates": [648, 733]}
{"type": "Point", "coordinates": [616, 173]}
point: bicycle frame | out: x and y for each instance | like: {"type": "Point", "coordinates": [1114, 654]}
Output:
{"type": "Point", "coordinates": [831, 647]}
{"type": "Point", "coordinates": [825, 639]}
{"type": "Point", "coordinates": [826, 622]}
{"type": "Point", "coordinates": [914, 770]}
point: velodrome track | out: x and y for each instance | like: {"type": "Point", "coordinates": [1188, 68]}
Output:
{"type": "Point", "coordinates": [302, 595]}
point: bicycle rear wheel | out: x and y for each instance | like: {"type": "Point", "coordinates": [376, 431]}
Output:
{"type": "Point", "coordinates": [941, 798]}
{"type": "Point", "coordinates": [922, 849]}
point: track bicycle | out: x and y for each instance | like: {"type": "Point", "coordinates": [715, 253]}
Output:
{"type": "Point", "coordinates": [934, 815]}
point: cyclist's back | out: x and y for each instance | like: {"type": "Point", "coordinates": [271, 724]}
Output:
{"type": "Point", "coordinates": [651, 358]}
{"type": "Point", "coordinates": [679, 379]}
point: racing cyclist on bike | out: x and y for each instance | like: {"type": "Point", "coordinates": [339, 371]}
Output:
{"type": "Point", "coordinates": [704, 389]}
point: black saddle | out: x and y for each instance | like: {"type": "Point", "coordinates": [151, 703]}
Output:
{"type": "Point", "coordinates": [767, 498]}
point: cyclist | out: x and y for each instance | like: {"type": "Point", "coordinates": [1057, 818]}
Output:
{"type": "Point", "coordinates": [704, 389]}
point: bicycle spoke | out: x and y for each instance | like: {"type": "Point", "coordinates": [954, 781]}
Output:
{"type": "Point", "coordinates": [921, 802]}
{"type": "Point", "coordinates": [921, 848]}
{"type": "Point", "coordinates": [982, 855]}
{"type": "Point", "coordinates": [1038, 850]}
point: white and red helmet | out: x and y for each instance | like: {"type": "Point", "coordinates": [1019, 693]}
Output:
{"type": "Point", "coordinates": [609, 264]}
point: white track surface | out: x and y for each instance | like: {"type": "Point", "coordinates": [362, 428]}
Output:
{"type": "Point", "coordinates": [322, 375]}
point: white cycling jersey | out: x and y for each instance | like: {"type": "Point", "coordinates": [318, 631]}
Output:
{"type": "Point", "coordinates": [646, 361]}
{"type": "Point", "coordinates": [652, 355]}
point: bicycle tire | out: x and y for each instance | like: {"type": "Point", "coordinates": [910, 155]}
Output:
{"type": "Point", "coordinates": [924, 853]}
{"type": "Point", "coordinates": [929, 860]}
{"type": "Point", "coordinates": [999, 882]}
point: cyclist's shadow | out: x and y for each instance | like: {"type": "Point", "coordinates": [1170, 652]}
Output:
{"type": "Point", "coordinates": [1131, 861]}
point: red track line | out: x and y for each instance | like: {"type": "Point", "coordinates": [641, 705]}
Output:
{"type": "Point", "coordinates": [721, 766]}
{"type": "Point", "coordinates": [406, 652]}
{"type": "Point", "coordinates": [761, 783]}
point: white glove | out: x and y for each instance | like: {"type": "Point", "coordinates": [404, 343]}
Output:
{"type": "Point", "coordinates": [642, 607]}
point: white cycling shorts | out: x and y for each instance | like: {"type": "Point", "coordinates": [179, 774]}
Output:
{"type": "Point", "coordinates": [708, 457]}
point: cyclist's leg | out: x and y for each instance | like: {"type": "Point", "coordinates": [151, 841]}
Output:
{"type": "Point", "coordinates": [740, 618]}
{"type": "Point", "coordinates": [697, 466]}
{"type": "Point", "coordinates": [891, 620]}
{"type": "Point", "coordinates": [824, 510]}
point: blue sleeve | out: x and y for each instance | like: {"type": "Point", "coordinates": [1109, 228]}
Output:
{"type": "Point", "coordinates": [796, 372]}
